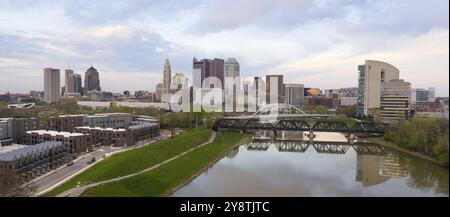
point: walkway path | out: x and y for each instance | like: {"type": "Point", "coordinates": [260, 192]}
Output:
{"type": "Point", "coordinates": [77, 191]}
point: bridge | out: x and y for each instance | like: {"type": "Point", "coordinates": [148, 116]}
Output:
{"type": "Point", "coordinates": [320, 147]}
{"type": "Point", "coordinates": [284, 117]}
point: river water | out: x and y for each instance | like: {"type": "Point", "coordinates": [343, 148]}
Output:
{"type": "Point", "coordinates": [318, 169]}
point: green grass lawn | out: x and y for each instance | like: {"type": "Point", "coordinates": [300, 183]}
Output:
{"type": "Point", "coordinates": [161, 181]}
{"type": "Point", "coordinates": [136, 160]}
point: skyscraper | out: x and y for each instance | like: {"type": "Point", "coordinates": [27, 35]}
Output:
{"type": "Point", "coordinates": [167, 75]}
{"type": "Point", "coordinates": [165, 90]}
{"type": "Point", "coordinates": [69, 81]}
{"type": "Point", "coordinates": [276, 98]}
{"type": "Point", "coordinates": [158, 92]}
{"type": "Point", "coordinates": [52, 86]}
{"type": "Point", "coordinates": [78, 87]}
{"type": "Point", "coordinates": [217, 70]}
{"type": "Point", "coordinates": [422, 95]}
{"type": "Point", "coordinates": [294, 94]}
{"type": "Point", "coordinates": [231, 70]}
{"type": "Point", "coordinates": [372, 77]}
{"type": "Point", "coordinates": [395, 103]}
{"type": "Point", "coordinates": [92, 80]}
{"type": "Point", "coordinates": [207, 68]}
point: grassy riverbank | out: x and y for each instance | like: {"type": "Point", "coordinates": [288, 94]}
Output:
{"type": "Point", "coordinates": [163, 180]}
{"type": "Point", "coordinates": [136, 160]}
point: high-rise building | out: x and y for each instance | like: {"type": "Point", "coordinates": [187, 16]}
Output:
{"type": "Point", "coordinates": [52, 86]}
{"type": "Point", "coordinates": [231, 71]}
{"type": "Point", "coordinates": [207, 68]}
{"type": "Point", "coordinates": [158, 92]}
{"type": "Point", "coordinates": [69, 81]}
{"type": "Point", "coordinates": [422, 95]}
{"type": "Point", "coordinates": [271, 87]}
{"type": "Point", "coordinates": [372, 77]}
{"type": "Point", "coordinates": [259, 97]}
{"type": "Point", "coordinates": [92, 80]}
{"type": "Point", "coordinates": [217, 70]}
{"type": "Point", "coordinates": [231, 68]}
{"type": "Point", "coordinates": [78, 87]}
{"type": "Point", "coordinates": [395, 103]}
{"type": "Point", "coordinates": [294, 94]}
{"type": "Point", "coordinates": [167, 75]}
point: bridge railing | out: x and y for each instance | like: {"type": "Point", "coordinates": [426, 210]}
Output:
{"type": "Point", "coordinates": [311, 124]}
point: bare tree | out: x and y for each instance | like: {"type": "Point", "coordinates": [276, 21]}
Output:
{"type": "Point", "coordinates": [25, 189]}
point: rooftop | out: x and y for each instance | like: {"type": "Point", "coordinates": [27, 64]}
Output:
{"type": "Point", "coordinates": [55, 133]}
{"type": "Point", "coordinates": [8, 148]}
{"type": "Point", "coordinates": [99, 128]}
{"type": "Point", "coordinates": [20, 151]}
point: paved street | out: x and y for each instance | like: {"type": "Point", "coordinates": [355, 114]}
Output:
{"type": "Point", "coordinates": [63, 172]}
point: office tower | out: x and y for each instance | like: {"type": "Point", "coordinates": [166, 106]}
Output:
{"type": "Point", "coordinates": [231, 68]}
{"type": "Point", "coordinates": [199, 69]}
{"type": "Point", "coordinates": [271, 87]}
{"type": "Point", "coordinates": [231, 72]}
{"type": "Point", "coordinates": [78, 87]}
{"type": "Point", "coordinates": [422, 95]}
{"type": "Point", "coordinates": [372, 77]}
{"type": "Point", "coordinates": [259, 90]}
{"type": "Point", "coordinates": [294, 94]}
{"type": "Point", "coordinates": [158, 92]}
{"type": "Point", "coordinates": [431, 94]}
{"type": "Point", "coordinates": [91, 80]}
{"type": "Point", "coordinates": [217, 70]}
{"type": "Point", "coordinates": [167, 75]}
{"type": "Point", "coordinates": [52, 87]}
{"type": "Point", "coordinates": [69, 81]}
{"type": "Point", "coordinates": [395, 103]}
{"type": "Point", "coordinates": [207, 68]}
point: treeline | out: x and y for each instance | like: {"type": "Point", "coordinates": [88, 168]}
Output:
{"type": "Point", "coordinates": [427, 136]}
{"type": "Point", "coordinates": [189, 119]}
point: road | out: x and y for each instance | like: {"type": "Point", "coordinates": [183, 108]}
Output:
{"type": "Point", "coordinates": [56, 177]}
{"type": "Point", "coordinates": [77, 191]}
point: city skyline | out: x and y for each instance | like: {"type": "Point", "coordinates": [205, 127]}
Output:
{"type": "Point", "coordinates": [135, 39]}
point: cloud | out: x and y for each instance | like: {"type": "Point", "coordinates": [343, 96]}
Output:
{"type": "Point", "coordinates": [309, 41]}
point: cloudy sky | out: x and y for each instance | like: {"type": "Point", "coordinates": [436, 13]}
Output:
{"type": "Point", "coordinates": [315, 42]}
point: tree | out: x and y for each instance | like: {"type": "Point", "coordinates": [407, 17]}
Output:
{"type": "Point", "coordinates": [17, 189]}
{"type": "Point", "coordinates": [349, 111]}
{"type": "Point", "coordinates": [320, 109]}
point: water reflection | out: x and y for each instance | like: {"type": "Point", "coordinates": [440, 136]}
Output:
{"type": "Point", "coordinates": [320, 168]}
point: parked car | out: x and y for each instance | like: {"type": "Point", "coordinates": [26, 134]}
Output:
{"type": "Point", "coordinates": [70, 163]}
{"type": "Point", "coordinates": [91, 161]}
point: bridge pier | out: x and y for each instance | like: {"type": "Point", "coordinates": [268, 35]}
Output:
{"type": "Point", "coordinates": [273, 135]}
{"type": "Point", "coordinates": [351, 138]}
{"type": "Point", "coordinates": [311, 136]}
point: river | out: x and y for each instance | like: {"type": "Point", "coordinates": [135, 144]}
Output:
{"type": "Point", "coordinates": [318, 169]}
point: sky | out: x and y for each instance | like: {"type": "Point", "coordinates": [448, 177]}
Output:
{"type": "Point", "coordinates": [319, 43]}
